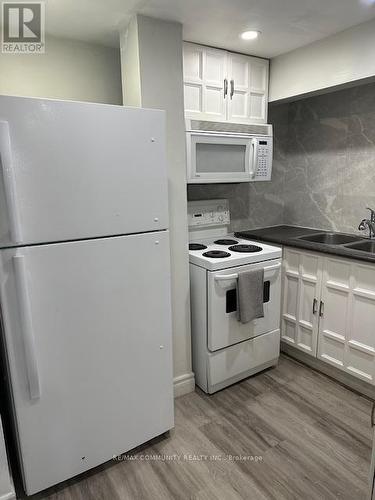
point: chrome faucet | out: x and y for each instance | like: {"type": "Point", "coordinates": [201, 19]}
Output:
{"type": "Point", "coordinates": [368, 223]}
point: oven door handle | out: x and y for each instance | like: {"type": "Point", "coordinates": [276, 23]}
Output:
{"type": "Point", "coordinates": [227, 277]}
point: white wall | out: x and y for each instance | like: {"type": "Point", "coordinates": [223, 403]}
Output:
{"type": "Point", "coordinates": [68, 70]}
{"type": "Point", "coordinates": [339, 59]}
{"type": "Point", "coordinates": [160, 86]}
{"type": "Point", "coordinates": [130, 66]}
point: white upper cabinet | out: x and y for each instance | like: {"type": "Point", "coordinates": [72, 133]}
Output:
{"type": "Point", "coordinates": [222, 86]}
{"type": "Point", "coordinates": [204, 82]}
{"type": "Point", "coordinates": [248, 86]}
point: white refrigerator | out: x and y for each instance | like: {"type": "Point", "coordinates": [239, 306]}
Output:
{"type": "Point", "coordinates": [84, 282]}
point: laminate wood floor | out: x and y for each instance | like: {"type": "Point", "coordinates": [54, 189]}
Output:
{"type": "Point", "coordinates": [296, 434]}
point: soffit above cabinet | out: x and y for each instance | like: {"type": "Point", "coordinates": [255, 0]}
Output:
{"type": "Point", "coordinates": [342, 60]}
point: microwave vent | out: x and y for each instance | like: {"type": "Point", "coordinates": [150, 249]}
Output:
{"type": "Point", "coordinates": [236, 128]}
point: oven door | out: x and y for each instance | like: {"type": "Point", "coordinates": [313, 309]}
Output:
{"type": "Point", "coordinates": [223, 327]}
{"type": "Point", "coordinates": [218, 158]}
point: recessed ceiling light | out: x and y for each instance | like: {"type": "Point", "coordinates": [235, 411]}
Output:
{"type": "Point", "coordinates": [250, 35]}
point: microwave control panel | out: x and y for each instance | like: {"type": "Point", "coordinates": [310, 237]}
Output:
{"type": "Point", "coordinates": [263, 159]}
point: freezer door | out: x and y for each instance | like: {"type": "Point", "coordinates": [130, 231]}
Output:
{"type": "Point", "coordinates": [88, 335]}
{"type": "Point", "coordinates": [74, 170]}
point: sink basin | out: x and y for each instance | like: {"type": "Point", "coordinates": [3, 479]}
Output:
{"type": "Point", "coordinates": [363, 246]}
{"type": "Point", "coordinates": [329, 238]}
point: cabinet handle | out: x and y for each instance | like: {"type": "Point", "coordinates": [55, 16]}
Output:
{"type": "Point", "coordinates": [372, 414]}
{"type": "Point", "coordinates": [225, 87]}
{"type": "Point", "coordinates": [321, 308]}
{"type": "Point", "coordinates": [231, 88]}
{"type": "Point", "coordinates": [315, 306]}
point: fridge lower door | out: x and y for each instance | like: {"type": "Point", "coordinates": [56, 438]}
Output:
{"type": "Point", "coordinates": [88, 338]}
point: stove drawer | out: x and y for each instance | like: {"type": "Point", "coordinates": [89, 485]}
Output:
{"type": "Point", "coordinates": [223, 327]}
{"type": "Point", "coordinates": [242, 360]}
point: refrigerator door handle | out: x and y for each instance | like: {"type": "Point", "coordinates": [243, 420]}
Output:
{"type": "Point", "coordinates": [9, 183]}
{"type": "Point", "coordinates": [27, 326]}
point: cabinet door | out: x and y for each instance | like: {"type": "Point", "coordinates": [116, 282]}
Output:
{"type": "Point", "coordinates": [360, 351]}
{"type": "Point", "coordinates": [204, 74]}
{"type": "Point", "coordinates": [248, 89]}
{"type": "Point", "coordinates": [334, 311]}
{"type": "Point", "coordinates": [302, 276]}
{"type": "Point", "coordinates": [346, 333]}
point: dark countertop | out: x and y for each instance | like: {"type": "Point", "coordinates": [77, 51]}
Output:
{"type": "Point", "coordinates": [288, 236]}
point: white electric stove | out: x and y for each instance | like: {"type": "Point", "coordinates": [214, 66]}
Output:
{"type": "Point", "coordinates": [225, 350]}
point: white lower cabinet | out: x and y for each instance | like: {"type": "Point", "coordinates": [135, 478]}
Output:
{"type": "Point", "coordinates": [329, 310]}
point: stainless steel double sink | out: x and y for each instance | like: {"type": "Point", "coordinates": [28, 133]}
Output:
{"type": "Point", "coordinates": [352, 242]}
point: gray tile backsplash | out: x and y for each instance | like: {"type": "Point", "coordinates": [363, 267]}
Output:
{"type": "Point", "coordinates": [324, 166]}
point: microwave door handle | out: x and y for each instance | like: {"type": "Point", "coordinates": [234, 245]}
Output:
{"type": "Point", "coordinates": [254, 156]}
{"type": "Point", "coordinates": [227, 277]}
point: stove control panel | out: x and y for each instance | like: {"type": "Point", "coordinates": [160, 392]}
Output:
{"type": "Point", "coordinates": [208, 213]}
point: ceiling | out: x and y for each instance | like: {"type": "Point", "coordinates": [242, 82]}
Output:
{"type": "Point", "coordinates": [285, 24]}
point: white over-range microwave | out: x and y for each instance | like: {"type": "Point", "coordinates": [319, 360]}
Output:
{"type": "Point", "coordinates": [228, 152]}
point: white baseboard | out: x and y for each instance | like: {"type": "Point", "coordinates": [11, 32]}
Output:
{"type": "Point", "coordinates": [183, 384]}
